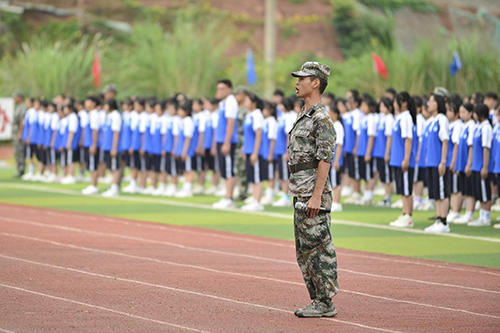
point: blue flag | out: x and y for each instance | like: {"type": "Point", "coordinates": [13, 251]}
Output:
{"type": "Point", "coordinates": [251, 75]}
{"type": "Point", "coordinates": [456, 64]}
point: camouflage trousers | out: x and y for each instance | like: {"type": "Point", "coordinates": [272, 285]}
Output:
{"type": "Point", "coordinates": [315, 251]}
{"type": "Point", "coordinates": [241, 172]}
{"type": "Point", "coordinates": [19, 154]}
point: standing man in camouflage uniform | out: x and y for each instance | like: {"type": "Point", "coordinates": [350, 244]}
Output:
{"type": "Point", "coordinates": [311, 150]}
{"type": "Point", "coordinates": [17, 130]}
{"type": "Point", "coordinates": [240, 93]}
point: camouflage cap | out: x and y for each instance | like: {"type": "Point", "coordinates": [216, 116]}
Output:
{"type": "Point", "coordinates": [19, 93]}
{"type": "Point", "coordinates": [313, 68]}
{"type": "Point", "coordinates": [240, 89]}
{"type": "Point", "coordinates": [440, 91]}
{"type": "Point", "coordinates": [110, 88]}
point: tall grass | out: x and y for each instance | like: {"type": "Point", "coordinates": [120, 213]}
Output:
{"type": "Point", "coordinates": [188, 59]}
{"type": "Point", "coordinates": [47, 69]}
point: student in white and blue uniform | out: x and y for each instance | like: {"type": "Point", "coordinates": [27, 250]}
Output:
{"type": "Point", "coordinates": [159, 141]}
{"type": "Point", "coordinates": [83, 119]}
{"type": "Point", "coordinates": [267, 149]}
{"type": "Point", "coordinates": [31, 147]}
{"type": "Point", "coordinates": [156, 145]}
{"type": "Point", "coordinates": [147, 147]}
{"type": "Point", "coordinates": [382, 148]}
{"type": "Point", "coordinates": [199, 117]}
{"type": "Point", "coordinates": [252, 141]}
{"type": "Point", "coordinates": [336, 166]}
{"type": "Point", "coordinates": [437, 148]}
{"type": "Point", "coordinates": [481, 180]}
{"type": "Point", "coordinates": [403, 155]}
{"type": "Point", "coordinates": [90, 143]}
{"type": "Point", "coordinates": [495, 155]}
{"type": "Point", "coordinates": [37, 138]}
{"type": "Point", "coordinates": [63, 127]}
{"type": "Point", "coordinates": [47, 136]}
{"type": "Point", "coordinates": [170, 142]}
{"type": "Point", "coordinates": [366, 138]}
{"type": "Point", "coordinates": [226, 141]}
{"type": "Point", "coordinates": [419, 178]}
{"type": "Point", "coordinates": [111, 144]}
{"type": "Point", "coordinates": [54, 126]}
{"type": "Point", "coordinates": [463, 164]}
{"type": "Point", "coordinates": [456, 126]}
{"type": "Point", "coordinates": [126, 132]}
{"type": "Point", "coordinates": [185, 148]}
{"type": "Point", "coordinates": [71, 138]}
{"type": "Point", "coordinates": [354, 101]}
{"type": "Point", "coordinates": [102, 118]}
{"type": "Point", "coordinates": [24, 137]}
{"type": "Point", "coordinates": [208, 135]}
{"type": "Point", "coordinates": [135, 145]}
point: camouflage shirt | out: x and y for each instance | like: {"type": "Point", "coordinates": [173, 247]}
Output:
{"type": "Point", "coordinates": [312, 138]}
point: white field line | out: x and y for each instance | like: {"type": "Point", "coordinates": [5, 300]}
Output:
{"type": "Point", "coordinates": [5, 331]}
{"type": "Point", "coordinates": [169, 289]}
{"type": "Point", "coordinates": [233, 254]}
{"type": "Point", "coordinates": [126, 314]}
{"type": "Point", "coordinates": [225, 273]}
{"type": "Point", "coordinates": [235, 210]}
{"type": "Point", "coordinates": [172, 228]}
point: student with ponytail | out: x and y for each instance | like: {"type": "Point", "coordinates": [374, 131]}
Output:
{"type": "Point", "coordinates": [402, 157]}
{"type": "Point", "coordinates": [437, 152]}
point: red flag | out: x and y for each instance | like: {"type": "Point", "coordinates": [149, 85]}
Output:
{"type": "Point", "coordinates": [379, 66]}
{"type": "Point", "coordinates": [96, 70]}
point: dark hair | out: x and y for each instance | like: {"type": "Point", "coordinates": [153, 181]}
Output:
{"type": "Point", "coordinates": [300, 101]}
{"type": "Point", "coordinates": [329, 95]}
{"type": "Point", "coordinates": [491, 95]}
{"type": "Point", "coordinates": [482, 112]}
{"type": "Point", "coordinates": [418, 101]}
{"type": "Point", "coordinates": [287, 103]}
{"type": "Point", "coordinates": [255, 99]}
{"type": "Point", "coordinates": [127, 101]}
{"type": "Point", "coordinates": [44, 103]}
{"type": "Point", "coordinates": [112, 104]}
{"type": "Point", "coordinates": [279, 92]}
{"type": "Point", "coordinates": [162, 103]}
{"type": "Point", "coordinates": [272, 107]}
{"type": "Point", "coordinates": [227, 82]}
{"type": "Point", "coordinates": [52, 104]}
{"type": "Point", "coordinates": [322, 83]}
{"type": "Point", "coordinates": [141, 101]}
{"type": "Point", "coordinates": [186, 106]}
{"type": "Point", "coordinates": [368, 99]}
{"type": "Point", "coordinates": [334, 108]}
{"type": "Point", "coordinates": [388, 104]}
{"type": "Point", "coordinates": [405, 97]}
{"type": "Point", "coordinates": [214, 101]}
{"type": "Point", "coordinates": [455, 102]}
{"type": "Point", "coordinates": [469, 107]}
{"type": "Point", "coordinates": [355, 96]}
{"type": "Point", "coordinates": [391, 91]}
{"type": "Point", "coordinates": [70, 107]}
{"type": "Point", "coordinates": [478, 98]}
{"type": "Point", "coordinates": [441, 103]}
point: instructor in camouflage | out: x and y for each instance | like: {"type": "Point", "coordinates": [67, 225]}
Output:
{"type": "Point", "coordinates": [311, 150]}
{"type": "Point", "coordinates": [17, 131]}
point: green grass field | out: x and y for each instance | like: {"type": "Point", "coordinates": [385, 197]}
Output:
{"type": "Point", "coordinates": [359, 228]}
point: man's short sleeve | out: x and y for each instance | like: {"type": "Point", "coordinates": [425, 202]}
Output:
{"type": "Point", "coordinates": [231, 107]}
{"type": "Point", "coordinates": [325, 140]}
{"type": "Point", "coordinates": [406, 126]}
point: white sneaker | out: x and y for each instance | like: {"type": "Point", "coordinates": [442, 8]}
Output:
{"type": "Point", "coordinates": [427, 206]}
{"type": "Point", "coordinates": [479, 223]}
{"type": "Point", "coordinates": [365, 201]}
{"type": "Point", "coordinates": [452, 216]}
{"type": "Point", "coordinates": [220, 191]}
{"type": "Point", "coordinates": [80, 178]}
{"type": "Point", "coordinates": [417, 205]}
{"type": "Point", "coordinates": [495, 207]}
{"type": "Point", "coordinates": [198, 189]}
{"type": "Point", "coordinates": [209, 191]}
{"type": "Point", "coordinates": [463, 219]}
{"type": "Point", "coordinates": [183, 194]}
{"type": "Point", "coordinates": [497, 226]}
{"type": "Point", "coordinates": [346, 191]}
{"type": "Point", "coordinates": [253, 207]}
{"type": "Point", "coordinates": [90, 190]}
{"type": "Point", "coordinates": [27, 177]}
{"type": "Point", "coordinates": [249, 200]}
{"type": "Point", "coordinates": [37, 178]}
{"type": "Point", "coordinates": [379, 190]}
{"type": "Point", "coordinates": [139, 190]}
{"type": "Point", "coordinates": [236, 192]}
{"type": "Point", "coordinates": [405, 221]}
{"type": "Point", "coordinates": [432, 226]}
{"type": "Point", "coordinates": [353, 199]}
{"type": "Point", "coordinates": [170, 191]}
{"type": "Point", "coordinates": [107, 179]}
{"type": "Point", "coordinates": [51, 178]}
{"type": "Point", "coordinates": [397, 204]}
{"type": "Point", "coordinates": [68, 180]}
{"type": "Point", "coordinates": [157, 192]}
{"type": "Point", "coordinates": [129, 189]}
{"type": "Point", "coordinates": [383, 203]}
{"type": "Point", "coordinates": [110, 193]}
{"type": "Point", "coordinates": [224, 203]}
{"type": "Point", "coordinates": [336, 207]}
{"type": "Point", "coordinates": [477, 206]}
{"type": "Point", "coordinates": [266, 200]}
{"type": "Point", "coordinates": [438, 228]}
{"type": "Point", "coordinates": [148, 190]}
{"type": "Point", "coordinates": [283, 202]}
{"type": "Point", "coordinates": [126, 179]}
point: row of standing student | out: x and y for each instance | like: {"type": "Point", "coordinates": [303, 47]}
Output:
{"type": "Point", "coordinates": [430, 147]}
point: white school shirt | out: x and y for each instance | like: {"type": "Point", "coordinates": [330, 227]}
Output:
{"type": "Point", "coordinates": [125, 116]}
{"type": "Point", "coordinates": [406, 124]}
{"type": "Point", "coordinates": [272, 133]}
{"type": "Point", "coordinates": [29, 114]}
{"type": "Point", "coordinates": [257, 118]}
{"type": "Point", "coordinates": [34, 117]}
{"type": "Point", "coordinates": [470, 126]}
{"type": "Point", "coordinates": [134, 119]}
{"type": "Point", "coordinates": [176, 125]}
{"type": "Point", "coordinates": [339, 129]}
{"type": "Point", "coordinates": [494, 118]}
{"type": "Point", "coordinates": [47, 120]}
{"type": "Point", "coordinates": [84, 118]}
{"type": "Point", "coordinates": [188, 127]}
{"type": "Point", "coordinates": [215, 118]}
{"type": "Point", "coordinates": [153, 119]}
{"type": "Point", "coordinates": [389, 122]}
{"type": "Point", "coordinates": [486, 134]}
{"type": "Point", "coordinates": [165, 121]}
{"type": "Point", "coordinates": [371, 121]}
{"type": "Point", "coordinates": [54, 122]}
{"type": "Point", "coordinates": [231, 107]}
{"type": "Point", "coordinates": [143, 121]}
{"type": "Point", "coordinates": [95, 122]}
{"type": "Point", "coordinates": [62, 125]}
{"type": "Point", "coordinates": [290, 118]}
{"type": "Point", "coordinates": [116, 121]}
{"type": "Point", "coordinates": [458, 126]}
{"type": "Point", "coordinates": [102, 117]}
{"type": "Point", "coordinates": [72, 122]}
{"type": "Point", "coordinates": [357, 117]}
{"type": "Point", "coordinates": [444, 127]}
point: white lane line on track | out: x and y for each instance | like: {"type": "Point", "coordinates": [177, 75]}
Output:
{"type": "Point", "coordinates": [177, 290]}
{"type": "Point", "coordinates": [5, 331]}
{"type": "Point", "coordinates": [170, 228]}
{"type": "Point", "coordinates": [235, 210]}
{"type": "Point", "coordinates": [229, 273]}
{"type": "Point", "coordinates": [101, 308]}
{"type": "Point", "coordinates": [234, 254]}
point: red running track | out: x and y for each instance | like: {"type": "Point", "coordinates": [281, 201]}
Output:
{"type": "Point", "coordinates": [63, 272]}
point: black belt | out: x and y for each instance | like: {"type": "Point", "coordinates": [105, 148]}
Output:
{"type": "Point", "coordinates": [303, 166]}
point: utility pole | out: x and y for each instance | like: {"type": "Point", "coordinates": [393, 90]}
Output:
{"type": "Point", "coordinates": [269, 46]}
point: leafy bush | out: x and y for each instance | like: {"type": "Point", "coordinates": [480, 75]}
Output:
{"type": "Point", "coordinates": [393, 5]}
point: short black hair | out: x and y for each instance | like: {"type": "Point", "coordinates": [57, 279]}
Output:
{"type": "Point", "coordinates": [355, 96]}
{"type": "Point", "coordinates": [329, 95]}
{"type": "Point", "coordinates": [491, 95]}
{"type": "Point", "coordinates": [112, 104]}
{"type": "Point", "coordinates": [391, 91]}
{"type": "Point", "coordinates": [227, 82]}
{"type": "Point", "coordinates": [279, 92]}
{"type": "Point", "coordinates": [271, 107]}
{"type": "Point", "coordinates": [322, 83]}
